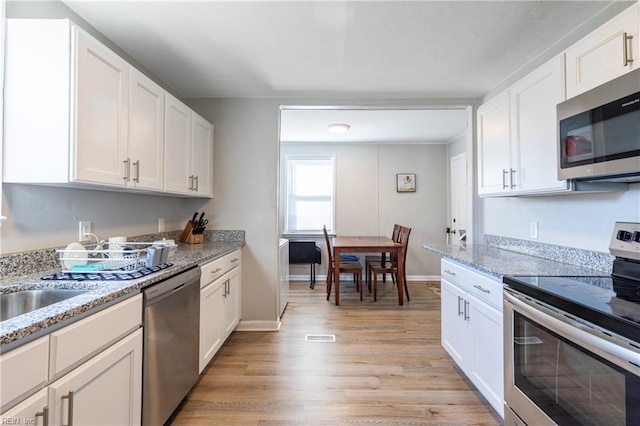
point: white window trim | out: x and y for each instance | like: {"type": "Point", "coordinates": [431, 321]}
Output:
{"type": "Point", "coordinates": [288, 158]}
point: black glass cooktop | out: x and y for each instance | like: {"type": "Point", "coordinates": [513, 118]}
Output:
{"type": "Point", "coordinates": [609, 302]}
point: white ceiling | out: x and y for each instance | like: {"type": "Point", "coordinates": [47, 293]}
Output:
{"type": "Point", "coordinates": [336, 49]}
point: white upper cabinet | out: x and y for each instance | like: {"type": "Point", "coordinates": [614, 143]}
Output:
{"type": "Point", "coordinates": [188, 151]}
{"type": "Point", "coordinates": [608, 52]}
{"type": "Point", "coordinates": [146, 132]}
{"type": "Point", "coordinates": [202, 156]}
{"type": "Point", "coordinates": [517, 136]}
{"type": "Point", "coordinates": [534, 131]}
{"type": "Point", "coordinates": [94, 120]}
{"type": "Point", "coordinates": [100, 112]}
{"type": "Point", "coordinates": [494, 146]}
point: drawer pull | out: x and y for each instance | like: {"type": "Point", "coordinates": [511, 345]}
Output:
{"type": "Point", "coordinates": [450, 272]}
{"type": "Point", "coordinates": [215, 271]}
{"type": "Point", "coordinates": [234, 260]}
{"type": "Point", "coordinates": [45, 416]}
{"type": "Point", "coordinates": [482, 289]}
{"type": "Point", "coordinates": [69, 396]}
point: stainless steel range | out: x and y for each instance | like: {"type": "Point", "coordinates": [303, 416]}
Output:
{"type": "Point", "coordinates": [572, 344]}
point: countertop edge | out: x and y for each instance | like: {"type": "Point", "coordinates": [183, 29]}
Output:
{"type": "Point", "coordinates": [100, 294]}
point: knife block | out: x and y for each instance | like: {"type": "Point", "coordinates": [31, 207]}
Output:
{"type": "Point", "coordinates": [189, 237]}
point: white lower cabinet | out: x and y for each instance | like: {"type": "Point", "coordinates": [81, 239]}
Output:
{"type": "Point", "coordinates": [32, 411]}
{"type": "Point", "coordinates": [471, 316]}
{"type": "Point", "coordinates": [210, 321]}
{"type": "Point", "coordinates": [87, 373]}
{"type": "Point", "coordinates": [105, 390]}
{"type": "Point", "coordinates": [220, 303]}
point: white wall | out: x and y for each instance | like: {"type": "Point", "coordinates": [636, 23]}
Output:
{"type": "Point", "coordinates": [367, 202]}
{"type": "Point", "coordinates": [582, 221]}
{"type": "Point", "coordinates": [43, 217]}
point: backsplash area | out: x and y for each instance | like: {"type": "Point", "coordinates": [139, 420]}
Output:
{"type": "Point", "coordinates": [29, 262]}
{"type": "Point", "coordinates": [585, 258]}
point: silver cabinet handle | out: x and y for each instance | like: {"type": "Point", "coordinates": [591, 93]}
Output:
{"type": "Point", "coordinates": [626, 60]}
{"type": "Point", "coordinates": [228, 287]}
{"type": "Point", "coordinates": [504, 178]}
{"type": "Point", "coordinates": [69, 396]}
{"type": "Point", "coordinates": [482, 289]}
{"type": "Point", "coordinates": [197, 185]}
{"type": "Point", "coordinates": [459, 309]}
{"type": "Point", "coordinates": [511, 172]}
{"type": "Point", "coordinates": [449, 272]}
{"type": "Point", "coordinates": [127, 170]}
{"type": "Point", "coordinates": [466, 311]}
{"type": "Point", "coordinates": [234, 260]}
{"type": "Point", "coordinates": [45, 416]}
{"type": "Point", "coordinates": [215, 271]}
{"type": "Point", "coordinates": [190, 182]}
{"type": "Point", "coordinates": [137, 170]}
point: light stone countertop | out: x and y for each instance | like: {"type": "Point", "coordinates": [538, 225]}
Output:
{"type": "Point", "coordinates": [23, 328]}
{"type": "Point", "coordinates": [500, 262]}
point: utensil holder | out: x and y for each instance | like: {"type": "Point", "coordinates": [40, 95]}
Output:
{"type": "Point", "coordinates": [189, 237]}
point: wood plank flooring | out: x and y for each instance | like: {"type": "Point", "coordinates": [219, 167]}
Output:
{"type": "Point", "coordinates": [386, 366]}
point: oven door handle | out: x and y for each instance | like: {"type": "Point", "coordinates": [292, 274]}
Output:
{"type": "Point", "coordinates": [624, 358]}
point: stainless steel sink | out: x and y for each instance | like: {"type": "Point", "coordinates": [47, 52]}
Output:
{"type": "Point", "coordinates": [21, 302]}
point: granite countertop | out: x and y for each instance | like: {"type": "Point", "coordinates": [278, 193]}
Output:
{"type": "Point", "coordinates": [500, 262]}
{"type": "Point", "coordinates": [23, 327]}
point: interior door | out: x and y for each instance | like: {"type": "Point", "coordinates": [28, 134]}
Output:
{"type": "Point", "coordinates": [458, 172]}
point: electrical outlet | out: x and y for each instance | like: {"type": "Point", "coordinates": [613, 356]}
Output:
{"type": "Point", "coordinates": [533, 230]}
{"type": "Point", "coordinates": [84, 228]}
{"type": "Point", "coordinates": [161, 224]}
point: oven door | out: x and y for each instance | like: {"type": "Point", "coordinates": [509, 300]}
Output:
{"type": "Point", "coordinates": [558, 373]}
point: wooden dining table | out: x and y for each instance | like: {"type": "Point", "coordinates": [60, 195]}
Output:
{"type": "Point", "coordinates": [367, 245]}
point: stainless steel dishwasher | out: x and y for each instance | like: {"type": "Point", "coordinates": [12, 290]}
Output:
{"type": "Point", "coordinates": [171, 333]}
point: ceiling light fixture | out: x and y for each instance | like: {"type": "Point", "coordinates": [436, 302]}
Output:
{"type": "Point", "coordinates": [339, 128]}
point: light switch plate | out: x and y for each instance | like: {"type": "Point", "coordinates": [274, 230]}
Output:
{"type": "Point", "coordinates": [533, 230]}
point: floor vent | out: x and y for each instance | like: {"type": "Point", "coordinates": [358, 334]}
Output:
{"type": "Point", "coordinates": [320, 338]}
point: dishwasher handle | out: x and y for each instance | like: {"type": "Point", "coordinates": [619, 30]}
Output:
{"type": "Point", "coordinates": [165, 288]}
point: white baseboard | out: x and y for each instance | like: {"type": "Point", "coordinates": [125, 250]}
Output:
{"type": "Point", "coordinates": [258, 326]}
{"type": "Point", "coordinates": [320, 279]}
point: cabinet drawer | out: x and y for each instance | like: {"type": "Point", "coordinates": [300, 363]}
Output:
{"type": "Point", "coordinates": [453, 272]}
{"type": "Point", "coordinates": [485, 288]}
{"type": "Point", "coordinates": [217, 268]}
{"type": "Point", "coordinates": [82, 339]}
{"type": "Point", "coordinates": [24, 370]}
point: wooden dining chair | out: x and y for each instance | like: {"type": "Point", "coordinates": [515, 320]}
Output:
{"type": "Point", "coordinates": [346, 266]}
{"type": "Point", "coordinates": [378, 257]}
{"type": "Point", "coordinates": [391, 266]}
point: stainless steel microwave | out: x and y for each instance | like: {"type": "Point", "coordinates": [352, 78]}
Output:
{"type": "Point", "coordinates": [599, 132]}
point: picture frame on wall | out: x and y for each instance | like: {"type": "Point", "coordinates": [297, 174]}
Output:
{"type": "Point", "coordinates": [406, 182]}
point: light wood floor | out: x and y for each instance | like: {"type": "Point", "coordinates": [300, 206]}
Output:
{"type": "Point", "coordinates": [386, 366]}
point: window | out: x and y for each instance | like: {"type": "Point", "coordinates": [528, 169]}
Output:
{"type": "Point", "coordinates": [310, 193]}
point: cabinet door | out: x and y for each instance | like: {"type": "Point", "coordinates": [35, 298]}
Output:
{"type": "Point", "coordinates": [231, 301]}
{"type": "Point", "coordinates": [101, 113]}
{"type": "Point", "coordinates": [608, 52]}
{"type": "Point", "coordinates": [454, 326]}
{"type": "Point", "coordinates": [202, 156]}
{"type": "Point", "coordinates": [146, 132]}
{"type": "Point", "coordinates": [210, 321]}
{"type": "Point", "coordinates": [106, 389]}
{"type": "Point", "coordinates": [494, 157]}
{"type": "Point", "coordinates": [534, 128]}
{"type": "Point", "coordinates": [177, 147]}
{"type": "Point", "coordinates": [32, 411]}
{"type": "Point", "coordinates": [485, 358]}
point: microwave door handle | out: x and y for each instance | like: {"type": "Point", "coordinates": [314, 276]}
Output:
{"type": "Point", "coordinates": [626, 60]}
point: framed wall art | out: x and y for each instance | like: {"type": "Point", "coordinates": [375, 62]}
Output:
{"type": "Point", "coordinates": [406, 182]}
